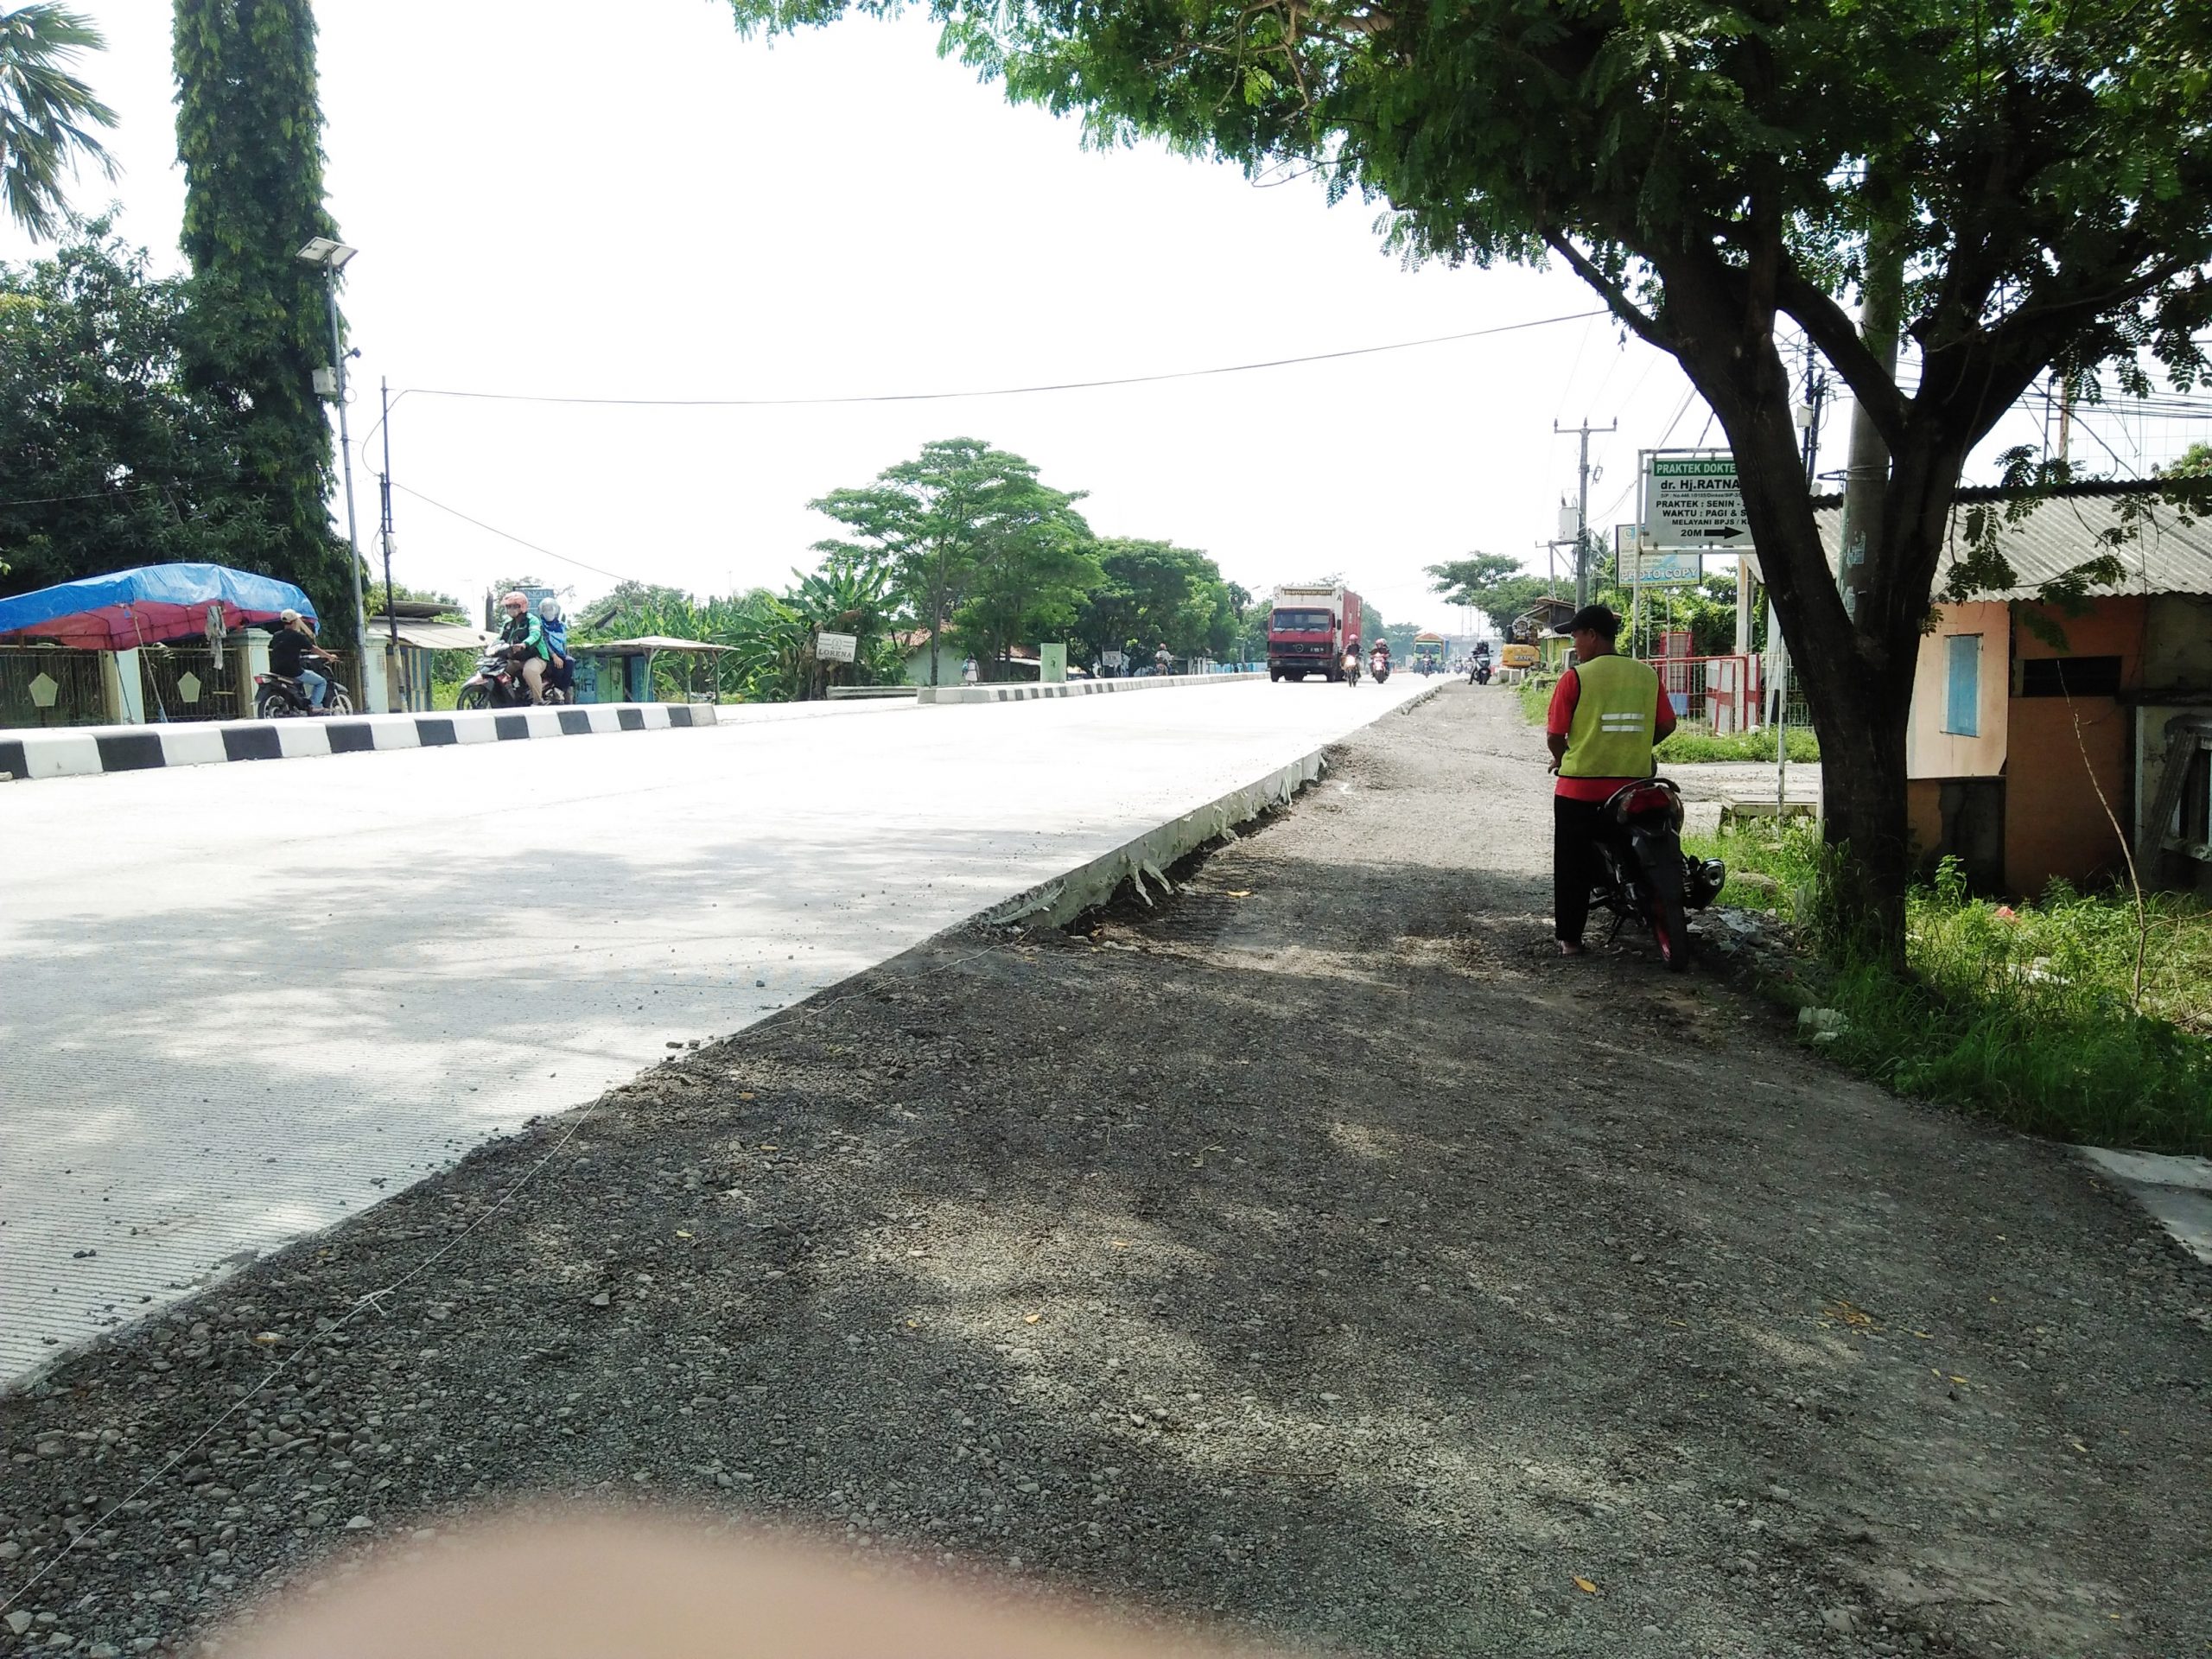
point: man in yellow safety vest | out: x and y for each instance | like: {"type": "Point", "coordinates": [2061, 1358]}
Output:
{"type": "Point", "coordinates": [1606, 713]}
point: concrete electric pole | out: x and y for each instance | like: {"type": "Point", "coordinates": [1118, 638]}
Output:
{"type": "Point", "coordinates": [1582, 508]}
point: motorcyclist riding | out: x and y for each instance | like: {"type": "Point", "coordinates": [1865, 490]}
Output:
{"type": "Point", "coordinates": [1606, 713]}
{"type": "Point", "coordinates": [522, 637]}
{"type": "Point", "coordinates": [290, 649]}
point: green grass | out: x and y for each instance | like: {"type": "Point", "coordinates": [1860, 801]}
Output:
{"type": "Point", "coordinates": [2026, 1012]}
{"type": "Point", "coordinates": [1689, 743]}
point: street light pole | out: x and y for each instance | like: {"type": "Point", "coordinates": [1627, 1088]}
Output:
{"type": "Point", "coordinates": [332, 256]}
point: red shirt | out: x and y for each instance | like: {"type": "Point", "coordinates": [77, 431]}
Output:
{"type": "Point", "coordinates": [1565, 695]}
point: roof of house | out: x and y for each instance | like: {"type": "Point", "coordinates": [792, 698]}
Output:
{"type": "Point", "coordinates": [644, 644]}
{"type": "Point", "coordinates": [2164, 555]}
{"type": "Point", "coordinates": [430, 634]}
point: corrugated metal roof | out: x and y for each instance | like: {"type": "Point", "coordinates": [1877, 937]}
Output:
{"type": "Point", "coordinates": [2164, 555]}
{"type": "Point", "coordinates": [426, 635]}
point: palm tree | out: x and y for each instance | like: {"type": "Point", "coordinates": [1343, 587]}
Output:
{"type": "Point", "coordinates": [47, 114]}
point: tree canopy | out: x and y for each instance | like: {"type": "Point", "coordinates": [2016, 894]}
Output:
{"type": "Point", "coordinates": [1153, 593]}
{"type": "Point", "coordinates": [109, 459]}
{"type": "Point", "coordinates": [47, 114]}
{"type": "Point", "coordinates": [968, 534]}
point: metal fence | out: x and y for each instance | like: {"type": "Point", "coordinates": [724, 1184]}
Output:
{"type": "Point", "coordinates": [1727, 694]}
{"type": "Point", "coordinates": [51, 685]}
{"type": "Point", "coordinates": [183, 683]}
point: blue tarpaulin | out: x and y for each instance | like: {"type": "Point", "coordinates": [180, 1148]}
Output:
{"type": "Point", "coordinates": [127, 608]}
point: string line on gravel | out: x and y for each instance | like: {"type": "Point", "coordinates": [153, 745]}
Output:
{"type": "Point", "coordinates": [372, 1298]}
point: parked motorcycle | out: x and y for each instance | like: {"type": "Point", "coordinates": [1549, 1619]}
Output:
{"type": "Point", "coordinates": [498, 683]}
{"type": "Point", "coordinates": [278, 696]}
{"type": "Point", "coordinates": [1644, 877]}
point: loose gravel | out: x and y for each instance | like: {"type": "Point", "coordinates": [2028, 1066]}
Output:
{"type": "Point", "coordinates": [1313, 1252]}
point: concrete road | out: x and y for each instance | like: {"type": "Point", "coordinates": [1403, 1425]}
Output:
{"type": "Point", "coordinates": [244, 1000]}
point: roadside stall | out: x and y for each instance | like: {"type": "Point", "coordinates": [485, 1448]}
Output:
{"type": "Point", "coordinates": [624, 670]}
{"type": "Point", "coordinates": [170, 642]}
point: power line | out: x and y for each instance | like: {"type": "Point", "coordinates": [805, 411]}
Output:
{"type": "Point", "coordinates": [510, 535]}
{"type": "Point", "coordinates": [1000, 391]}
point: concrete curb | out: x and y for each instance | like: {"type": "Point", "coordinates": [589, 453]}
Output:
{"type": "Point", "coordinates": [85, 751]}
{"type": "Point", "coordinates": [1057, 903]}
{"type": "Point", "coordinates": [1081, 688]}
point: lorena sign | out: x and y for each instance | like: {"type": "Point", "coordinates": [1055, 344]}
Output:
{"type": "Point", "coordinates": [835, 647]}
{"type": "Point", "coordinates": [1692, 501]}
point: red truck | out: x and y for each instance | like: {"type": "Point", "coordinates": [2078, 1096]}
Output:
{"type": "Point", "coordinates": [1309, 630]}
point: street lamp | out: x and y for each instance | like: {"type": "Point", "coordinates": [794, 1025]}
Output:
{"type": "Point", "coordinates": [332, 256]}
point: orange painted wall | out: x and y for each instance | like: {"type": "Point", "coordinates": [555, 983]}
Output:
{"type": "Point", "coordinates": [2054, 825]}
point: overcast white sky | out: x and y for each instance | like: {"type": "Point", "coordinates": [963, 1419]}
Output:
{"type": "Point", "coordinates": [555, 198]}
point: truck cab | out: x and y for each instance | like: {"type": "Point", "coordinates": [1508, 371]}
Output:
{"type": "Point", "coordinates": [1309, 630]}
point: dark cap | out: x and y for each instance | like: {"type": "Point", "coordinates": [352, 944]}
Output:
{"type": "Point", "coordinates": [1594, 619]}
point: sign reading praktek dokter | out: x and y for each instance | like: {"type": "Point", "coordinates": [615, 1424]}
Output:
{"type": "Point", "coordinates": [1692, 501]}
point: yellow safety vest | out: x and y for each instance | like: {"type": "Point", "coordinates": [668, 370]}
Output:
{"type": "Point", "coordinates": [1610, 735]}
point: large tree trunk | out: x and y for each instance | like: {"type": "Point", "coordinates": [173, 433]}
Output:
{"type": "Point", "coordinates": [1858, 677]}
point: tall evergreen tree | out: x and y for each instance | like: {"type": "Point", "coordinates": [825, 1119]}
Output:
{"type": "Point", "coordinates": [250, 135]}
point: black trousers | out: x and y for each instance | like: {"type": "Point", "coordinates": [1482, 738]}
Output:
{"type": "Point", "coordinates": [1576, 828]}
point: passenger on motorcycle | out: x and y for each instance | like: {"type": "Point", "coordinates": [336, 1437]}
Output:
{"type": "Point", "coordinates": [1606, 713]}
{"type": "Point", "coordinates": [561, 666]}
{"type": "Point", "coordinates": [290, 648]}
{"type": "Point", "coordinates": [523, 637]}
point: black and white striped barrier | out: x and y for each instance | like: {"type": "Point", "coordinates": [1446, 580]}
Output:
{"type": "Point", "coordinates": [1083, 688]}
{"type": "Point", "coordinates": [80, 751]}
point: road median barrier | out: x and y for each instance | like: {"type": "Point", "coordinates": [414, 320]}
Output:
{"type": "Point", "coordinates": [941, 693]}
{"type": "Point", "coordinates": [84, 751]}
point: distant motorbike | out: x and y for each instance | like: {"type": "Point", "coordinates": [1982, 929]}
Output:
{"type": "Point", "coordinates": [1643, 876]}
{"type": "Point", "coordinates": [1352, 668]}
{"type": "Point", "coordinates": [279, 696]}
{"type": "Point", "coordinates": [1481, 674]}
{"type": "Point", "coordinates": [1379, 666]}
{"type": "Point", "coordinates": [498, 683]}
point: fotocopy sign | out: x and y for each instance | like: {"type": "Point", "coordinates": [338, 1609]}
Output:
{"type": "Point", "coordinates": [1692, 501]}
{"type": "Point", "coordinates": [835, 647]}
{"type": "Point", "coordinates": [1667, 570]}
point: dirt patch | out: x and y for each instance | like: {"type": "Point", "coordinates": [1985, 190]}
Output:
{"type": "Point", "coordinates": [1315, 1251]}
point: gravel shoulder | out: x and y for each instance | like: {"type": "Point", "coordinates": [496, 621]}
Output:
{"type": "Point", "coordinates": [1315, 1252]}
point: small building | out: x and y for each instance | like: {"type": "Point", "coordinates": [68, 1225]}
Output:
{"type": "Point", "coordinates": [2045, 745]}
{"type": "Point", "coordinates": [917, 646]}
{"type": "Point", "coordinates": [421, 630]}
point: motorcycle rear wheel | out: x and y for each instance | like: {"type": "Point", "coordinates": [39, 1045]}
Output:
{"type": "Point", "coordinates": [272, 705]}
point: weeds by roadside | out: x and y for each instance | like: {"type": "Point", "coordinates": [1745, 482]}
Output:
{"type": "Point", "coordinates": [1696, 742]}
{"type": "Point", "coordinates": [2023, 1012]}
{"type": "Point", "coordinates": [1690, 742]}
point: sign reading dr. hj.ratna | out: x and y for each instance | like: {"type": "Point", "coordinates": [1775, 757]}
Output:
{"type": "Point", "coordinates": [1692, 501]}
{"type": "Point", "coordinates": [835, 647]}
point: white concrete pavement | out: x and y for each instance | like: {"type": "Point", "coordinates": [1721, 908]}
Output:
{"type": "Point", "coordinates": [242, 1002]}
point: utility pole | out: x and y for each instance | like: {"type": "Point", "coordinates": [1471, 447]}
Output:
{"type": "Point", "coordinates": [1816, 389]}
{"type": "Point", "coordinates": [390, 612]}
{"type": "Point", "coordinates": [1582, 508]}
